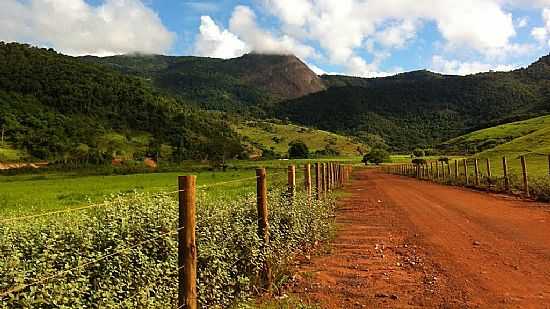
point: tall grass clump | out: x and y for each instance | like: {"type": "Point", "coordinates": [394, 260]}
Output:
{"type": "Point", "coordinates": [62, 257]}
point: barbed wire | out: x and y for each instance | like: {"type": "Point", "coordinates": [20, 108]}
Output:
{"type": "Point", "coordinates": [101, 258]}
{"type": "Point", "coordinates": [53, 212]}
{"type": "Point", "coordinates": [73, 209]}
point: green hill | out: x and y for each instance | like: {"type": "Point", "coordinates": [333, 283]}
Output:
{"type": "Point", "coordinates": [520, 136]}
{"type": "Point", "coordinates": [261, 136]}
{"type": "Point", "coordinates": [529, 138]}
{"type": "Point", "coordinates": [58, 108]}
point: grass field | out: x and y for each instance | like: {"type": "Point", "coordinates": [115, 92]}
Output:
{"type": "Point", "coordinates": [529, 138]}
{"type": "Point", "coordinates": [277, 137]}
{"type": "Point", "coordinates": [8, 154]}
{"type": "Point", "coordinates": [31, 194]}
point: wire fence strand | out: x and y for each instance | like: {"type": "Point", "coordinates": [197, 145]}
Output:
{"type": "Point", "coordinates": [74, 209]}
{"type": "Point", "coordinates": [101, 258]}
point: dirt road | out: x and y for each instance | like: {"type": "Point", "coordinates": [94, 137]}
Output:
{"type": "Point", "coordinates": [404, 243]}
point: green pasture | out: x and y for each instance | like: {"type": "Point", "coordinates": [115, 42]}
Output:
{"type": "Point", "coordinates": [31, 194]}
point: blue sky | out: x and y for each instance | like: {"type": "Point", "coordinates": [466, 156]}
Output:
{"type": "Point", "coordinates": [354, 37]}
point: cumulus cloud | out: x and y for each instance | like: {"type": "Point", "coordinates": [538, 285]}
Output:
{"type": "Point", "coordinates": [455, 67]}
{"type": "Point", "coordinates": [243, 23]}
{"type": "Point", "coordinates": [77, 28]}
{"type": "Point", "coordinates": [218, 43]}
{"type": "Point", "coordinates": [343, 28]}
{"type": "Point", "coordinates": [542, 34]}
{"type": "Point", "coordinates": [245, 35]}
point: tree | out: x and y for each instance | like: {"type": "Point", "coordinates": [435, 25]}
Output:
{"type": "Point", "coordinates": [376, 156]}
{"type": "Point", "coordinates": [419, 153]}
{"type": "Point", "coordinates": [298, 150]}
{"type": "Point", "coordinates": [419, 161]}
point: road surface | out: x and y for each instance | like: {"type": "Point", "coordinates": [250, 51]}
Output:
{"type": "Point", "coordinates": [404, 243]}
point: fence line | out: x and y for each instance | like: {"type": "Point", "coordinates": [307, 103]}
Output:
{"type": "Point", "coordinates": [73, 209]}
{"type": "Point", "coordinates": [329, 176]}
{"type": "Point", "coordinates": [423, 170]}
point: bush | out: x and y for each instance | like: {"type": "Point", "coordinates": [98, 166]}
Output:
{"type": "Point", "coordinates": [298, 150]}
{"type": "Point", "coordinates": [419, 153]}
{"type": "Point", "coordinates": [540, 188]}
{"type": "Point", "coordinates": [229, 251]}
{"type": "Point", "coordinates": [376, 156]}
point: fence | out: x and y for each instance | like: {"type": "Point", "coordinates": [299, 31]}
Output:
{"type": "Point", "coordinates": [328, 177]}
{"type": "Point", "coordinates": [458, 173]}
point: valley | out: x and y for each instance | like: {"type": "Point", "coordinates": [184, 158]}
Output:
{"type": "Point", "coordinates": [117, 140]}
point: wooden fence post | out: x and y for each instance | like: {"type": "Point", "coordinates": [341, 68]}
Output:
{"type": "Point", "coordinates": [449, 174]}
{"type": "Point", "coordinates": [525, 176]}
{"type": "Point", "coordinates": [318, 186]}
{"type": "Point", "coordinates": [263, 224]}
{"type": "Point", "coordinates": [489, 173]}
{"type": "Point", "coordinates": [456, 169]}
{"type": "Point", "coordinates": [291, 180]}
{"type": "Point", "coordinates": [437, 169]}
{"type": "Point", "coordinates": [326, 175]}
{"type": "Point", "coordinates": [465, 161]}
{"type": "Point", "coordinates": [187, 250]}
{"type": "Point", "coordinates": [333, 175]}
{"type": "Point", "coordinates": [307, 180]}
{"type": "Point", "coordinates": [323, 187]}
{"type": "Point", "coordinates": [506, 178]}
{"type": "Point", "coordinates": [476, 171]}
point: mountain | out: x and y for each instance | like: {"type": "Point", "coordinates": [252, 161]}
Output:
{"type": "Point", "coordinates": [56, 107]}
{"type": "Point", "coordinates": [248, 83]}
{"type": "Point", "coordinates": [423, 109]}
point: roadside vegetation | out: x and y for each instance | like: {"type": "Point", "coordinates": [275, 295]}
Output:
{"type": "Point", "coordinates": [58, 261]}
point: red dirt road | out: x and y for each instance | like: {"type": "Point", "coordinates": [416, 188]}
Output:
{"type": "Point", "coordinates": [404, 243]}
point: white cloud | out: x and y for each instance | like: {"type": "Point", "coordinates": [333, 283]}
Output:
{"type": "Point", "coordinates": [347, 29]}
{"type": "Point", "coordinates": [344, 28]}
{"type": "Point", "coordinates": [526, 3]}
{"type": "Point", "coordinates": [455, 67]}
{"type": "Point", "coordinates": [77, 28]}
{"type": "Point", "coordinates": [243, 23]}
{"type": "Point", "coordinates": [542, 34]}
{"type": "Point", "coordinates": [217, 43]}
{"type": "Point", "coordinates": [243, 36]}
{"type": "Point", "coordinates": [522, 22]}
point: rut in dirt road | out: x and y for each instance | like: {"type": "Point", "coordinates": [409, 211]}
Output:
{"type": "Point", "coordinates": [405, 243]}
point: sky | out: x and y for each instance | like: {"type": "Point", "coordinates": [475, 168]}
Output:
{"type": "Point", "coordinates": [366, 38]}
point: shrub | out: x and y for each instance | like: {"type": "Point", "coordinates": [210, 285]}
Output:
{"type": "Point", "coordinates": [419, 153]}
{"type": "Point", "coordinates": [376, 156]}
{"type": "Point", "coordinates": [540, 188]}
{"type": "Point", "coordinates": [145, 276]}
{"type": "Point", "coordinates": [298, 150]}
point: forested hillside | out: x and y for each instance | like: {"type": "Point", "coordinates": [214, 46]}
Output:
{"type": "Point", "coordinates": [57, 107]}
{"type": "Point", "coordinates": [421, 109]}
{"type": "Point", "coordinates": [246, 84]}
